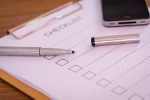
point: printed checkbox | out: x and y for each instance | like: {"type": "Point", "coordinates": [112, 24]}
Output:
{"type": "Point", "coordinates": [103, 82]}
{"type": "Point", "coordinates": [119, 90]}
{"type": "Point", "coordinates": [62, 62]}
{"type": "Point", "coordinates": [136, 97]}
{"type": "Point", "coordinates": [75, 68]}
{"type": "Point", "coordinates": [89, 75]}
{"type": "Point", "coordinates": [49, 57]}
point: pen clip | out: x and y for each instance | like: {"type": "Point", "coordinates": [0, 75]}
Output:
{"type": "Point", "coordinates": [43, 21]}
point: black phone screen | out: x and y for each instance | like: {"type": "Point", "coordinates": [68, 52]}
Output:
{"type": "Point", "coordinates": [115, 10]}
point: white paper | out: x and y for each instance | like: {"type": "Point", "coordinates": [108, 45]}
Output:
{"type": "Point", "coordinates": [116, 72]}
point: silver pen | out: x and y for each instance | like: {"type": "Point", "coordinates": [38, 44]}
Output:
{"type": "Point", "coordinates": [32, 51]}
{"type": "Point", "coordinates": [115, 39]}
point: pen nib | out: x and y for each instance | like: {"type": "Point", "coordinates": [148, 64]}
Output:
{"type": "Point", "coordinates": [70, 52]}
{"type": "Point", "coordinates": [73, 52]}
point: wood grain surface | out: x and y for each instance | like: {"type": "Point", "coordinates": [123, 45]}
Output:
{"type": "Point", "coordinates": [13, 13]}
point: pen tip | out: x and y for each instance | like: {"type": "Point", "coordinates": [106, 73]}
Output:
{"type": "Point", "coordinates": [93, 41]}
{"type": "Point", "coordinates": [73, 52]}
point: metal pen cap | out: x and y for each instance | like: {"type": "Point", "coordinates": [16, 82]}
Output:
{"type": "Point", "coordinates": [115, 39]}
{"type": "Point", "coordinates": [32, 51]}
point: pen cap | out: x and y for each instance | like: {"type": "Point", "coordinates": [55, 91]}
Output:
{"type": "Point", "coordinates": [115, 39]}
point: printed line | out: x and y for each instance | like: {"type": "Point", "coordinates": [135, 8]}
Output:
{"type": "Point", "coordinates": [97, 59]}
{"type": "Point", "coordinates": [104, 54]}
{"type": "Point", "coordinates": [82, 41]}
{"type": "Point", "coordinates": [87, 51]}
{"type": "Point", "coordinates": [117, 62]}
{"type": "Point", "coordinates": [96, 22]}
{"type": "Point", "coordinates": [82, 54]}
{"type": "Point", "coordinates": [139, 81]}
{"type": "Point", "coordinates": [137, 65]}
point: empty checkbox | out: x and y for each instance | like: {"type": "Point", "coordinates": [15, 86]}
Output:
{"type": "Point", "coordinates": [136, 97]}
{"type": "Point", "coordinates": [75, 68]}
{"type": "Point", "coordinates": [89, 75]}
{"type": "Point", "coordinates": [119, 90]}
{"type": "Point", "coordinates": [62, 62]}
{"type": "Point", "coordinates": [103, 82]}
{"type": "Point", "coordinates": [49, 57]}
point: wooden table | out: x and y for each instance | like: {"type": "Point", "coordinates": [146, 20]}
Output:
{"type": "Point", "coordinates": [13, 13]}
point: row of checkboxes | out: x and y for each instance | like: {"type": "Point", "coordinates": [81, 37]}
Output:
{"type": "Point", "coordinates": [119, 90]}
{"type": "Point", "coordinates": [74, 68]}
{"type": "Point", "coordinates": [90, 75]}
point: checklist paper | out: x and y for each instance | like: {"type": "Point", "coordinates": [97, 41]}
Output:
{"type": "Point", "coordinates": [115, 72]}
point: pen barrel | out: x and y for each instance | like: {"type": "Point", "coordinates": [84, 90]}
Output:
{"type": "Point", "coordinates": [53, 51]}
{"type": "Point", "coordinates": [116, 39]}
{"type": "Point", "coordinates": [32, 51]}
{"type": "Point", "coordinates": [19, 51]}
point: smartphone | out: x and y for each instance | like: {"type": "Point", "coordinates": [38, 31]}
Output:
{"type": "Point", "coordinates": [124, 12]}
